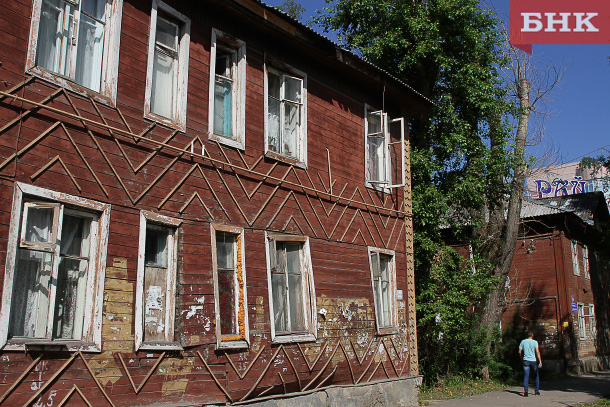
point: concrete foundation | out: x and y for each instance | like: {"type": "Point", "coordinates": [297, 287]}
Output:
{"type": "Point", "coordinates": [396, 393]}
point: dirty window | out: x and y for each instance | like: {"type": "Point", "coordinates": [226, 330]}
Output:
{"type": "Point", "coordinates": [286, 114]}
{"type": "Point", "coordinates": [156, 281]}
{"type": "Point", "coordinates": [291, 287]}
{"type": "Point", "coordinates": [383, 279]}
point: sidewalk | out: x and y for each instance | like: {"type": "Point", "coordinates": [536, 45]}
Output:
{"type": "Point", "coordinates": [565, 392]}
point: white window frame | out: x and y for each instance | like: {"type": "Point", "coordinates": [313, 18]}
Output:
{"type": "Point", "coordinates": [582, 332]}
{"type": "Point", "coordinates": [585, 262]}
{"type": "Point", "coordinates": [574, 250]}
{"type": "Point", "coordinates": [238, 108]}
{"type": "Point", "coordinates": [92, 326]}
{"type": "Point", "coordinates": [110, 59]}
{"type": "Point", "coordinates": [308, 289]}
{"type": "Point", "coordinates": [172, 225]}
{"type": "Point", "coordinates": [285, 70]}
{"type": "Point", "coordinates": [223, 342]}
{"type": "Point", "coordinates": [592, 325]}
{"type": "Point", "coordinates": [384, 184]}
{"type": "Point", "coordinates": [393, 305]}
{"type": "Point", "coordinates": [178, 119]}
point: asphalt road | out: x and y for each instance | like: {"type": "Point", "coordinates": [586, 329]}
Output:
{"type": "Point", "coordinates": [566, 392]}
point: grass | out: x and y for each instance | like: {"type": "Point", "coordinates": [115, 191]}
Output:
{"type": "Point", "coordinates": [601, 403]}
{"type": "Point", "coordinates": [456, 388]}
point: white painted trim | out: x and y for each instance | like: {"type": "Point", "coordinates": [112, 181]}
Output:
{"type": "Point", "coordinates": [180, 101]}
{"type": "Point", "coordinates": [92, 326]}
{"type": "Point", "coordinates": [170, 288]}
{"type": "Point", "coordinates": [309, 292]}
{"type": "Point", "coordinates": [110, 60]}
{"type": "Point", "coordinates": [282, 68]}
{"type": "Point", "coordinates": [393, 328]}
{"type": "Point", "coordinates": [239, 231]}
{"type": "Point", "coordinates": [238, 114]}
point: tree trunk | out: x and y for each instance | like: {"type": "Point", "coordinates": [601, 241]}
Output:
{"type": "Point", "coordinates": [502, 230]}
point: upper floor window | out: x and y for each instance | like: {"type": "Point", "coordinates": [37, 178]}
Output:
{"type": "Point", "coordinates": [286, 114]}
{"type": "Point", "coordinates": [383, 278]}
{"type": "Point", "coordinates": [385, 149]}
{"type": "Point", "coordinates": [291, 288]}
{"type": "Point", "coordinates": [585, 261]}
{"type": "Point", "coordinates": [76, 42]}
{"type": "Point", "coordinates": [55, 270]}
{"type": "Point", "coordinates": [230, 294]}
{"type": "Point", "coordinates": [227, 102]}
{"type": "Point", "coordinates": [156, 282]}
{"type": "Point", "coordinates": [574, 250]}
{"type": "Point", "coordinates": [167, 72]}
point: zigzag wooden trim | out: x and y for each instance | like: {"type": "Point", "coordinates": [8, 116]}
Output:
{"type": "Point", "coordinates": [30, 110]}
{"type": "Point", "coordinates": [188, 202]}
{"type": "Point", "coordinates": [71, 392]}
{"type": "Point", "coordinates": [365, 352]}
{"type": "Point", "coordinates": [323, 367]}
{"type": "Point", "coordinates": [48, 382]}
{"type": "Point", "coordinates": [312, 365]}
{"type": "Point", "coordinates": [18, 381]}
{"type": "Point", "coordinates": [150, 372]}
{"type": "Point", "coordinates": [220, 386]}
{"type": "Point", "coordinates": [50, 164]}
{"type": "Point", "coordinates": [16, 88]}
{"type": "Point", "coordinates": [242, 375]}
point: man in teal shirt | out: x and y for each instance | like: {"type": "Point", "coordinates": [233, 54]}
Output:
{"type": "Point", "coordinates": [528, 349]}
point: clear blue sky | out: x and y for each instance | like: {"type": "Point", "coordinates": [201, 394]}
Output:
{"type": "Point", "coordinates": [579, 107]}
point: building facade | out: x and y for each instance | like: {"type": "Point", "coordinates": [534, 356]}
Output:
{"type": "Point", "coordinates": [559, 282]}
{"type": "Point", "coordinates": [201, 203]}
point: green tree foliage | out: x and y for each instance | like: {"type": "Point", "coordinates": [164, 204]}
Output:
{"type": "Point", "coordinates": [451, 51]}
{"type": "Point", "coordinates": [596, 163]}
{"type": "Point", "coordinates": [292, 8]}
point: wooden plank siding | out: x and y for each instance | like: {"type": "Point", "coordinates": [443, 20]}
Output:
{"type": "Point", "coordinates": [241, 188]}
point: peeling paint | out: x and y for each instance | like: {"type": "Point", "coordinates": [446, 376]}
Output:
{"type": "Point", "coordinates": [174, 386]}
{"type": "Point", "coordinates": [191, 313]}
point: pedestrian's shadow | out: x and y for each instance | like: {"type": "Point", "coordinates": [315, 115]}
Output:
{"type": "Point", "coordinates": [519, 393]}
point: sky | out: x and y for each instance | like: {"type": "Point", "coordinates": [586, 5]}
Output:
{"type": "Point", "coordinates": [579, 108]}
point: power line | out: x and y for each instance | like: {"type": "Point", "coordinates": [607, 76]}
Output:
{"type": "Point", "coordinates": [589, 153]}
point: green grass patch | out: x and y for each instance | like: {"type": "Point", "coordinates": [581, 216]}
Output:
{"type": "Point", "coordinates": [458, 387]}
{"type": "Point", "coordinates": [601, 403]}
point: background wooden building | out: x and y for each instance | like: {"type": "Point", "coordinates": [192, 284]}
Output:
{"type": "Point", "coordinates": [559, 282]}
{"type": "Point", "coordinates": [200, 202]}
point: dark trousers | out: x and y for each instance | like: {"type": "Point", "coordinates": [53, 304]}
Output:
{"type": "Point", "coordinates": [529, 366]}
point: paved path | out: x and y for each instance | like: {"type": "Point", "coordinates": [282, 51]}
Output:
{"type": "Point", "coordinates": [565, 392]}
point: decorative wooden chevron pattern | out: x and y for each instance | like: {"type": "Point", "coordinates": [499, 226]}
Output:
{"type": "Point", "coordinates": [325, 209]}
{"type": "Point", "coordinates": [51, 380]}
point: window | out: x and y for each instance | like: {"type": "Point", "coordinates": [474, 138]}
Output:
{"type": "Point", "coordinates": [167, 72]}
{"type": "Point", "coordinates": [76, 42]}
{"type": "Point", "coordinates": [592, 321]}
{"type": "Point", "coordinates": [286, 115]}
{"type": "Point", "coordinates": [585, 261]}
{"type": "Point", "coordinates": [55, 267]}
{"type": "Point", "coordinates": [230, 295]}
{"type": "Point", "coordinates": [227, 105]}
{"type": "Point", "coordinates": [385, 149]}
{"type": "Point", "coordinates": [581, 321]}
{"type": "Point", "coordinates": [575, 268]}
{"type": "Point", "coordinates": [383, 278]}
{"type": "Point", "coordinates": [156, 282]}
{"type": "Point", "coordinates": [291, 289]}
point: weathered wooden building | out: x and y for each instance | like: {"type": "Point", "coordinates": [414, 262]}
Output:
{"type": "Point", "coordinates": [559, 282]}
{"type": "Point", "coordinates": [200, 203]}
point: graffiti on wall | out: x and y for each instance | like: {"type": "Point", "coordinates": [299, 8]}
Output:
{"type": "Point", "coordinates": [562, 187]}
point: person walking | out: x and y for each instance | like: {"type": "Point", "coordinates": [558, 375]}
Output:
{"type": "Point", "coordinates": [528, 350]}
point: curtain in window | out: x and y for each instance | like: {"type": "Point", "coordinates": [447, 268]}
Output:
{"type": "Point", "coordinates": [162, 95]}
{"type": "Point", "coordinates": [54, 36]}
{"type": "Point", "coordinates": [292, 115]}
{"type": "Point", "coordinates": [89, 52]}
{"type": "Point", "coordinates": [295, 286]}
{"type": "Point", "coordinates": [223, 89]}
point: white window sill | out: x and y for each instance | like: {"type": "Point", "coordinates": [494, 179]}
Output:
{"type": "Point", "coordinates": [231, 142]}
{"type": "Point", "coordinates": [30, 344]}
{"type": "Point", "coordinates": [288, 160]}
{"type": "Point", "coordinates": [378, 187]}
{"type": "Point", "coordinates": [233, 345]}
{"type": "Point", "coordinates": [173, 124]}
{"type": "Point", "coordinates": [69, 84]}
{"type": "Point", "coordinates": [160, 346]}
{"type": "Point", "coordinates": [387, 331]}
{"type": "Point", "coordinates": [295, 338]}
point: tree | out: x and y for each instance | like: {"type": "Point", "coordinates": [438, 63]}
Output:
{"type": "Point", "coordinates": [596, 163]}
{"type": "Point", "coordinates": [468, 167]}
{"type": "Point", "coordinates": [292, 8]}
